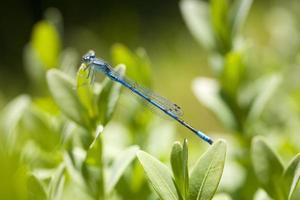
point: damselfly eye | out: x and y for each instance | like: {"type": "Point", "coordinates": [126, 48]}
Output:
{"type": "Point", "coordinates": [88, 57]}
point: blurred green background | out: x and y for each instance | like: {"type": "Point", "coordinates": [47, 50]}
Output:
{"type": "Point", "coordinates": [253, 87]}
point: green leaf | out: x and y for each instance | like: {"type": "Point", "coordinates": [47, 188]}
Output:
{"type": "Point", "coordinates": [57, 182]}
{"type": "Point", "coordinates": [239, 14]}
{"type": "Point", "coordinates": [292, 176]}
{"type": "Point", "coordinates": [46, 43]}
{"type": "Point", "coordinates": [232, 75]}
{"type": "Point", "coordinates": [268, 168]}
{"type": "Point", "coordinates": [264, 93]}
{"type": "Point", "coordinates": [208, 93]}
{"type": "Point", "coordinates": [35, 189]}
{"type": "Point", "coordinates": [179, 163]}
{"type": "Point", "coordinates": [207, 172]}
{"type": "Point", "coordinates": [219, 11]}
{"type": "Point", "coordinates": [137, 63]}
{"type": "Point", "coordinates": [85, 90]}
{"type": "Point", "coordinates": [159, 176]}
{"type": "Point", "coordinates": [63, 93]}
{"type": "Point", "coordinates": [119, 166]}
{"type": "Point", "coordinates": [196, 16]}
{"type": "Point", "coordinates": [108, 98]}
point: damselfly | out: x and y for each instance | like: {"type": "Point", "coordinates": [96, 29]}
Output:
{"type": "Point", "coordinates": [173, 110]}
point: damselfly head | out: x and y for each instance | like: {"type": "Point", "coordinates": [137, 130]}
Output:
{"type": "Point", "coordinates": [88, 57]}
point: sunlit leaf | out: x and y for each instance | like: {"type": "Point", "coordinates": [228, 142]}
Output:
{"type": "Point", "coordinates": [197, 17]}
{"type": "Point", "coordinates": [268, 168]}
{"type": "Point", "coordinates": [159, 177]}
{"type": "Point", "coordinates": [207, 172]}
{"type": "Point", "coordinates": [64, 94]}
{"type": "Point", "coordinates": [207, 92]}
{"type": "Point", "coordinates": [46, 43]}
{"type": "Point", "coordinates": [119, 166]}
{"type": "Point", "coordinates": [292, 176]}
{"type": "Point", "coordinates": [179, 163]}
{"type": "Point", "coordinates": [85, 90]}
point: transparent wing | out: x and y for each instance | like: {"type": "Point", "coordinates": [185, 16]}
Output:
{"type": "Point", "coordinates": [162, 101]}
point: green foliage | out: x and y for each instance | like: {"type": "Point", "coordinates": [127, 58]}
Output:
{"type": "Point", "coordinates": [240, 100]}
{"type": "Point", "coordinates": [202, 182]}
{"type": "Point", "coordinates": [62, 89]}
{"type": "Point", "coordinates": [279, 182]}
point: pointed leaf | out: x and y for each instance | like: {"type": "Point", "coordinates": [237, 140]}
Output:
{"type": "Point", "coordinates": [179, 163]}
{"type": "Point", "coordinates": [292, 176]}
{"type": "Point", "coordinates": [108, 98]}
{"type": "Point", "coordinates": [268, 168]}
{"type": "Point", "coordinates": [159, 176]}
{"type": "Point", "coordinates": [196, 16]}
{"type": "Point", "coordinates": [119, 166]}
{"type": "Point", "coordinates": [62, 90]}
{"type": "Point", "coordinates": [207, 172]}
{"type": "Point", "coordinates": [85, 91]}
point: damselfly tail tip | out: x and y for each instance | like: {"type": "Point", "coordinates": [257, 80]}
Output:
{"type": "Point", "coordinates": [205, 137]}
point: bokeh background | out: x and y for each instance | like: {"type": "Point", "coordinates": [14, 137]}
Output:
{"type": "Point", "coordinates": [267, 46]}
